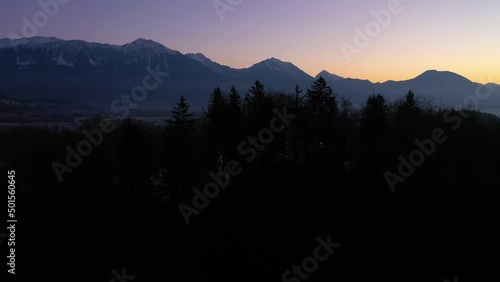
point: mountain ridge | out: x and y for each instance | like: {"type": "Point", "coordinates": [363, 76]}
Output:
{"type": "Point", "coordinates": [96, 73]}
{"type": "Point", "coordinates": [6, 43]}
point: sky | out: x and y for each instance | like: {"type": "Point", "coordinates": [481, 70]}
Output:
{"type": "Point", "coordinates": [345, 37]}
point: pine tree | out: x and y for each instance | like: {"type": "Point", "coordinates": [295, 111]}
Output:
{"type": "Point", "coordinates": [294, 129]}
{"type": "Point", "coordinates": [320, 98]}
{"type": "Point", "coordinates": [410, 101]}
{"type": "Point", "coordinates": [217, 126]}
{"type": "Point", "coordinates": [178, 149]}
{"type": "Point", "coordinates": [374, 122]}
{"type": "Point", "coordinates": [216, 107]}
{"type": "Point", "coordinates": [408, 108]}
{"type": "Point", "coordinates": [234, 116]}
{"type": "Point", "coordinates": [375, 114]}
{"type": "Point", "coordinates": [234, 103]}
{"type": "Point", "coordinates": [321, 109]}
{"type": "Point", "coordinates": [182, 124]}
{"type": "Point", "coordinates": [255, 98]}
{"type": "Point", "coordinates": [258, 107]}
{"type": "Point", "coordinates": [409, 118]}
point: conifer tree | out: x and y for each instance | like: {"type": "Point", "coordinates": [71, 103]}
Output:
{"type": "Point", "coordinates": [255, 98]}
{"type": "Point", "coordinates": [178, 149]}
{"type": "Point", "coordinates": [320, 99]}
{"type": "Point", "coordinates": [234, 103]}
{"type": "Point", "coordinates": [234, 115]}
{"type": "Point", "coordinates": [216, 107]}
{"type": "Point", "coordinates": [182, 124]}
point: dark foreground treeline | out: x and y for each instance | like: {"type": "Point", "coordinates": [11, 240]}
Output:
{"type": "Point", "coordinates": [334, 170]}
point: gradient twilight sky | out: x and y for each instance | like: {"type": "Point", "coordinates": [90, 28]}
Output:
{"type": "Point", "coordinates": [462, 36]}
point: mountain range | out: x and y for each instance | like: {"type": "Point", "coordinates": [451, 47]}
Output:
{"type": "Point", "coordinates": [96, 74]}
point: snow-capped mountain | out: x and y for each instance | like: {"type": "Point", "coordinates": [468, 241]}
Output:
{"type": "Point", "coordinates": [77, 56]}
{"type": "Point", "coordinates": [96, 74]}
{"type": "Point", "coordinates": [276, 70]}
{"type": "Point", "coordinates": [141, 44]}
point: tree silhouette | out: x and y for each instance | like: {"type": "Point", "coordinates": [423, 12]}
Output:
{"type": "Point", "coordinates": [182, 124]}
{"type": "Point", "coordinates": [295, 104]}
{"type": "Point", "coordinates": [374, 123]}
{"type": "Point", "coordinates": [234, 115]}
{"type": "Point", "coordinates": [216, 107]}
{"type": "Point", "coordinates": [178, 149]}
{"type": "Point", "coordinates": [320, 113]}
{"type": "Point", "coordinates": [255, 95]}
{"type": "Point", "coordinates": [410, 120]}
{"type": "Point", "coordinates": [234, 104]}
{"type": "Point", "coordinates": [375, 115]}
{"type": "Point", "coordinates": [410, 101]}
{"type": "Point", "coordinates": [320, 98]}
{"type": "Point", "coordinates": [217, 133]}
{"type": "Point", "coordinates": [258, 106]}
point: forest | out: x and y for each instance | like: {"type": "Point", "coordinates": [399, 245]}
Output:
{"type": "Point", "coordinates": [407, 188]}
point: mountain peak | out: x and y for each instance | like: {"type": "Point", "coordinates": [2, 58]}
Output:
{"type": "Point", "coordinates": [141, 43]}
{"type": "Point", "coordinates": [432, 72]}
{"type": "Point", "coordinates": [437, 72]}
{"type": "Point", "coordinates": [323, 74]}
{"type": "Point", "coordinates": [274, 63]}
{"type": "Point", "coordinates": [274, 60]}
{"type": "Point", "coordinates": [328, 76]}
{"type": "Point", "coordinates": [441, 75]}
{"type": "Point", "coordinates": [277, 69]}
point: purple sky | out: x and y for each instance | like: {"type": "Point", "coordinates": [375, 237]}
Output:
{"type": "Point", "coordinates": [460, 35]}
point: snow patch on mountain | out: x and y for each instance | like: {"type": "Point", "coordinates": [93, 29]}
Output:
{"type": "Point", "coordinates": [278, 65]}
{"type": "Point", "coordinates": [199, 58]}
{"type": "Point", "coordinates": [92, 62]}
{"type": "Point", "coordinates": [62, 62]}
{"type": "Point", "coordinates": [136, 48]}
{"type": "Point", "coordinates": [142, 44]}
{"type": "Point", "coordinates": [23, 63]}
